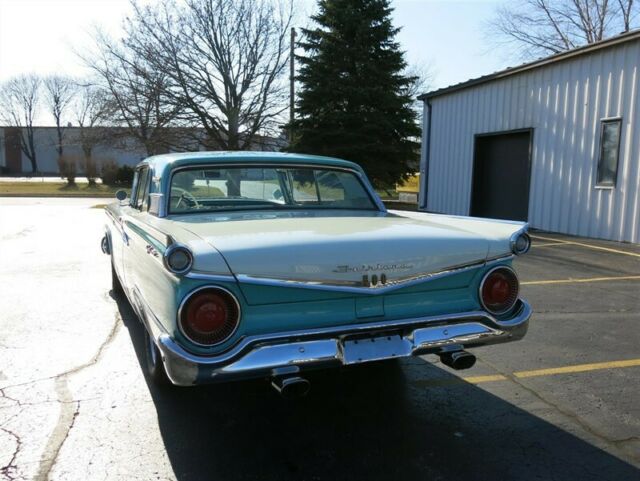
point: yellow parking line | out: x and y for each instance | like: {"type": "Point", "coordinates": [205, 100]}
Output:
{"type": "Point", "coordinates": [579, 281]}
{"type": "Point", "coordinates": [578, 368]}
{"type": "Point", "coordinates": [551, 244]}
{"type": "Point", "coordinates": [548, 238]}
{"type": "Point", "coordinates": [590, 246]}
{"type": "Point", "coordinates": [481, 379]}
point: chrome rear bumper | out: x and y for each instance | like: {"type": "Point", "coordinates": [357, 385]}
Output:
{"type": "Point", "coordinates": [292, 352]}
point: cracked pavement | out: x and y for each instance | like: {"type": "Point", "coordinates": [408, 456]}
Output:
{"type": "Point", "coordinates": [75, 405]}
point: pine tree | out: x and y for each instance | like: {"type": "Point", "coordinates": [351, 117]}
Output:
{"type": "Point", "coordinates": [354, 100]}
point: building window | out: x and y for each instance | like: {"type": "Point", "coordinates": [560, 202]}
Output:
{"type": "Point", "coordinates": [609, 152]}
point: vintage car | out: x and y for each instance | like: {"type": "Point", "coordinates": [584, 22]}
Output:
{"type": "Point", "coordinates": [267, 265]}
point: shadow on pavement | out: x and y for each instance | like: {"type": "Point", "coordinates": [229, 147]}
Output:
{"type": "Point", "coordinates": [367, 422]}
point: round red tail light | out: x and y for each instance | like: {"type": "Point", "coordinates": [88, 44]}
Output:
{"type": "Point", "coordinates": [499, 290]}
{"type": "Point", "coordinates": [209, 316]}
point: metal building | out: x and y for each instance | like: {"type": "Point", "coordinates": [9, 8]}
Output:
{"type": "Point", "coordinates": [555, 142]}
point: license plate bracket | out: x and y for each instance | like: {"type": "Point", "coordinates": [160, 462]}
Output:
{"type": "Point", "coordinates": [374, 348]}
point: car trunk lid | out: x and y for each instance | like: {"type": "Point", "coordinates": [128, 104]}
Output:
{"type": "Point", "coordinates": [335, 249]}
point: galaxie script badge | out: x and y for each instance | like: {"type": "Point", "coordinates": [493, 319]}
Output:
{"type": "Point", "coordinates": [373, 267]}
{"type": "Point", "coordinates": [374, 280]}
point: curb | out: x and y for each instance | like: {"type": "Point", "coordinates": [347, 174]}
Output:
{"type": "Point", "coordinates": [66, 196]}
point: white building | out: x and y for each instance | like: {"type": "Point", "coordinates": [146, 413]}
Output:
{"type": "Point", "coordinates": [555, 142]}
{"type": "Point", "coordinates": [116, 146]}
{"type": "Point", "coordinates": [14, 161]}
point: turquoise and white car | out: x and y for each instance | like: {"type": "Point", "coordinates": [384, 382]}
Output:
{"type": "Point", "coordinates": [267, 265]}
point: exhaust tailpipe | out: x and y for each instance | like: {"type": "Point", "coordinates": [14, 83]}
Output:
{"type": "Point", "coordinates": [292, 387]}
{"type": "Point", "coordinates": [458, 360]}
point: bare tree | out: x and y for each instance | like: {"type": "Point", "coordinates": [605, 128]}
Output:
{"type": "Point", "coordinates": [546, 27]}
{"type": "Point", "coordinates": [225, 61]}
{"type": "Point", "coordinates": [91, 109]}
{"type": "Point", "coordinates": [136, 93]}
{"type": "Point", "coordinates": [627, 12]}
{"type": "Point", "coordinates": [422, 75]}
{"type": "Point", "coordinates": [19, 102]}
{"type": "Point", "coordinates": [59, 92]}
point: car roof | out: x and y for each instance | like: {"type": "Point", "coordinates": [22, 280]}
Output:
{"type": "Point", "coordinates": [162, 164]}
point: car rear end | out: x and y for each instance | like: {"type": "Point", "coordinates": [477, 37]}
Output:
{"type": "Point", "coordinates": [228, 329]}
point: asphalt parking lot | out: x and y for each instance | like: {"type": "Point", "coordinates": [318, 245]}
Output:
{"type": "Point", "coordinates": [74, 405]}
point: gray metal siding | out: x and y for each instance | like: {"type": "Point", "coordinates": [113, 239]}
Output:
{"type": "Point", "coordinates": [564, 103]}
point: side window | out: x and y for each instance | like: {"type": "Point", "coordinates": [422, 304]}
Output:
{"type": "Point", "coordinates": [142, 189]}
{"type": "Point", "coordinates": [609, 153]}
{"type": "Point", "coordinates": [341, 189]}
{"type": "Point", "coordinates": [329, 186]}
{"type": "Point", "coordinates": [303, 186]}
{"type": "Point", "coordinates": [134, 188]}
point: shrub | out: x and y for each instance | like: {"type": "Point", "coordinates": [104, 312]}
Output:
{"type": "Point", "coordinates": [90, 170]}
{"type": "Point", "coordinates": [115, 175]}
{"type": "Point", "coordinates": [109, 174]}
{"type": "Point", "coordinates": [124, 176]}
{"type": "Point", "coordinates": [67, 166]}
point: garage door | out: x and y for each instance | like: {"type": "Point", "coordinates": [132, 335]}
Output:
{"type": "Point", "coordinates": [501, 172]}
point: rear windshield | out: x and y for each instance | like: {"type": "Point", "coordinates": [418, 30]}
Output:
{"type": "Point", "coordinates": [235, 188]}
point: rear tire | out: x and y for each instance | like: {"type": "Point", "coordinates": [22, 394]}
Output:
{"type": "Point", "coordinates": [153, 362]}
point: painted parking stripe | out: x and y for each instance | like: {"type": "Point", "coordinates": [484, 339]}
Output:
{"type": "Point", "coordinates": [577, 368]}
{"type": "Point", "coordinates": [551, 244]}
{"type": "Point", "coordinates": [590, 246]}
{"type": "Point", "coordinates": [481, 379]}
{"type": "Point", "coordinates": [580, 280]}
{"type": "Point", "coordinates": [597, 366]}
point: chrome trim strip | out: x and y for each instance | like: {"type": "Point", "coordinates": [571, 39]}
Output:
{"type": "Point", "coordinates": [261, 355]}
{"type": "Point", "coordinates": [117, 222]}
{"type": "Point", "coordinates": [356, 286]}
{"type": "Point", "coordinates": [200, 276]}
{"type": "Point", "coordinates": [499, 258]}
{"type": "Point", "coordinates": [114, 219]}
{"type": "Point", "coordinates": [347, 286]}
{"type": "Point", "coordinates": [160, 237]}
{"type": "Point", "coordinates": [191, 294]}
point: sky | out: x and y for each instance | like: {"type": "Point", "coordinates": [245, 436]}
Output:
{"type": "Point", "coordinates": [445, 36]}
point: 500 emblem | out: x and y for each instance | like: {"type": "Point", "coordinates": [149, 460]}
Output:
{"type": "Point", "coordinates": [374, 281]}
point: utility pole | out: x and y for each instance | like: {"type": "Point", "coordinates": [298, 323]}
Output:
{"type": "Point", "coordinates": [292, 93]}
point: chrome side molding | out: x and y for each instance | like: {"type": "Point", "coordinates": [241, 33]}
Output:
{"type": "Point", "coordinates": [359, 286]}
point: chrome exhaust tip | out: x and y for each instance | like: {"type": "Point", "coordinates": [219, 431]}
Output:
{"type": "Point", "coordinates": [292, 387]}
{"type": "Point", "coordinates": [458, 360]}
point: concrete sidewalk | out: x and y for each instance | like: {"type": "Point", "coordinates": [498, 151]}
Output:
{"type": "Point", "coordinates": [79, 180]}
